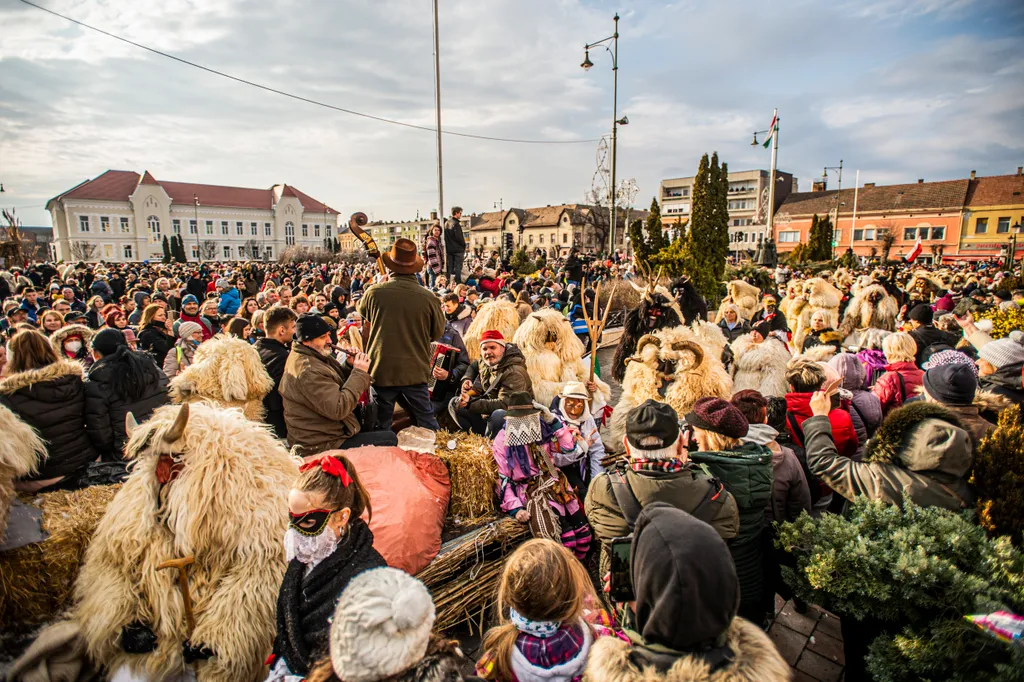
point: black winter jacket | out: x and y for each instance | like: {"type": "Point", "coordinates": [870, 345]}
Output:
{"type": "Point", "coordinates": [155, 341]}
{"type": "Point", "coordinates": [105, 410]}
{"type": "Point", "coordinates": [274, 354]}
{"type": "Point", "coordinates": [51, 400]}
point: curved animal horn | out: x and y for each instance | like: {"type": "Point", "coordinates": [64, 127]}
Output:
{"type": "Point", "coordinates": [177, 429]}
{"type": "Point", "coordinates": [646, 340]}
{"type": "Point", "coordinates": [130, 424]}
{"type": "Point", "coordinates": [698, 352]}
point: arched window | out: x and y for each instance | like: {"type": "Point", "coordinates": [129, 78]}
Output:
{"type": "Point", "coordinates": [289, 233]}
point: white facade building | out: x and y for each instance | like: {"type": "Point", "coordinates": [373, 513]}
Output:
{"type": "Point", "coordinates": [123, 216]}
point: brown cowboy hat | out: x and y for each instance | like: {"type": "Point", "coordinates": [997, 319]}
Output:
{"type": "Point", "coordinates": [403, 258]}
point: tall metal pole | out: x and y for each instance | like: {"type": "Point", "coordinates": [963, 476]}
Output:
{"type": "Point", "coordinates": [839, 197]}
{"type": "Point", "coordinates": [856, 190]}
{"type": "Point", "coordinates": [615, 129]}
{"type": "Point", "coordinates": [437, 107]}
{"type": "Point", "coordinates": [199, 251]}
{"type": "Point", "coordinates": [771, 180]}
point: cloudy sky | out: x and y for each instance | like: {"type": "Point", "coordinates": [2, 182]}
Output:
{"type": "Point", "coordinates": [900, 89]}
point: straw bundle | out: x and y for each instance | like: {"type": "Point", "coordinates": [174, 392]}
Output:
{"type": "Point", "coordinates": [463, 578]}
{"type": "Point", "coordinates": [474, 476]}
{"type": "Point", "coordinates": [36, 581]}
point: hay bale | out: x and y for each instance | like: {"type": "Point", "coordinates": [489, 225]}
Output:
{"type": "Point", "coordinates": [474, 476]}
{"type": "Point", "coordinates": [37, 581]}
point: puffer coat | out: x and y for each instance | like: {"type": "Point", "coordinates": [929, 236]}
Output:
{"type": "Point", "coordinates": [105, 410]}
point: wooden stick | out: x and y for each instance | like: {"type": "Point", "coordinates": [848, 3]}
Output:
{"type": "Point", "coordinates": [182, 565]}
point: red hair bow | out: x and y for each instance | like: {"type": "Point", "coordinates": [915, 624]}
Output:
{"type": "Point", "coordinates": [332, 466]}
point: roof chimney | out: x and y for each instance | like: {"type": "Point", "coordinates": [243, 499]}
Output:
{"type": "Point", "coordinates": [974, 174]}
{"type": "Point", "coordinates": [920, 181]}
{"type": "Point", "coordinates": [1019, 169]}
{"type": "Point", "coordinates": [819, 184]}
{"type": "Point", "coordinates": [433, 215]}
{"type": "Point", "coordinates": [868, 184]}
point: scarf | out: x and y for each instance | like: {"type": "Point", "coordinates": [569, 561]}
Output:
{"type": "Point", "coordinates": [666, 466]}
{"type": "Point", "coordinates": [306, 603]}
{"type": "Point", "coordinates": [520, 454]}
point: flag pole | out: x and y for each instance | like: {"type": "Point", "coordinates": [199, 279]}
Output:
{"type": "Point", "coordinates": [853, 222]}
{"type": "Point", "coordinates": [771, 181]}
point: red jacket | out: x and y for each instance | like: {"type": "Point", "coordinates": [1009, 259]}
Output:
{"type": "Point", "coordinates": [888, 388]}
{"type": "Point", "coordinates": [843, 433]}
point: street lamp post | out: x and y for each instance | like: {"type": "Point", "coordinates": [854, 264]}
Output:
{"type": "Point", "coordinates": [839, 192]}
{"type": "Point", "coordinates": [773, 131]}
{"type": "Point", "coordinates": [199, 251]}
{"type": "Point", "coordinates": [616, 121]}
{"type": "Point", "coordinates": [1011, 250]}
{"type": "Point", "coordinates": [500, 205]}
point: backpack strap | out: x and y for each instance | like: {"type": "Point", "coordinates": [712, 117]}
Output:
{"type": "Point", "coordinates": [625, 497]}
{"type": "Point", "coordinates": [903, 388]}
{"type": "Point", "coordinates": [712, 502]}
{"type": "Point", "coordinates": [794, 425]}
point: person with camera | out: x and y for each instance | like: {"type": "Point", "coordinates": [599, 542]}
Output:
{"type": "Point", "coordinates": [658, 469]}
{"type": "Point", "coordinates": [683, 605]}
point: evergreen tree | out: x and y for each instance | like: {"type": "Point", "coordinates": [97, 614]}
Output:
{"type": "Point", "coordinates": [819, 239]}
{"type": "Point", "coordinates": [179, 250]}
{"type": "Point", "coordinates": [337, 246]}
{"type": "Point", "coordinates": [656, 239]}
{"type": "Point", "coordinates": [706, 243]}
{"type": "Point", "coordinates": [636, 238]}
{"type": "Point", "coordinates": [167, 250]}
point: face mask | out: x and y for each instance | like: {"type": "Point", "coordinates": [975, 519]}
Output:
{"type": "Point", "coordinates": [309, 549]}
{"type": "Point", "coordinates": [73, 346]}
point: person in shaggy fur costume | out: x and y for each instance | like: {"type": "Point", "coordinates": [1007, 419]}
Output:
{"type": "Point", "coordinates": [675, 366]}
{"type": "Point", "coordinates": [500, 315]}
{"type": "Point", "coordinates": [870, 308]}
{"type": "Point", "coordinates": [21, 451]}
{"type": "Point", "coordinates": [554, 357]}
{"type": "Point", "coordinates": [760, 362]}
{"type": "Point", "coordinates": [687, 597]}
{"type": "Point", "coordinates": [655, 312]}
{"type": "Point", "coordinates": [210, 484]}
{"type": "Point", "coordinates": [745, 295]}
{"type": "Point", "coordinates": [228, 372]}
{"type": "Point", "coordinates": [818, 295]}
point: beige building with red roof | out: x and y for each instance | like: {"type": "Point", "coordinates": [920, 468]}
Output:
{"type": "Point", "coordinates": [124, 216]}
{"type": "Point", "coordinates": [994, 212]}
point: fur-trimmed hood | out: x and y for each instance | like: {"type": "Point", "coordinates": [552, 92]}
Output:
{"type": "Point", "coordinates": [31, 377]}
{"type": "Point", "coordinates": [755, 660]}
{"type": "Point", "coordinates": [58, 338]}
{"type": "Point", "coordinates": [922, 436]}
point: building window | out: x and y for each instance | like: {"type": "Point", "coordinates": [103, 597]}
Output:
{"type": "Point", "coordinates": [124, 225]}
{"type": "Point", "coordinates": [268, 252]}
{"type": "Point", "coordinates": [909, 233]}
{"type": "Point", "coordinates": [289, 234]}
{"type": "Point", "coordinates": [154, 227]}
{"type": "Point", "coordinates": [254, 229]}
{"type": "Point", "coordinates": [531, 239]}
{"type": "Point", "coordinates": [981, 227]}
{"type": "Point", "coordinates": [553, 235]}
{"type": "Point", "coordinates": [541, 238]}
{"type": "Point", "coordinates": [316, 229]}
{"type": "Point", "coordinates": [938, 233]}
{"type": "Point", "coordinates": [227, 252]}
{"type": "Point", "coordinates": [83, 223]}
{"type": "Point", "coordinates": [176, 226]}
{"type": "Point", "coordinates": [127, 251]}
{"type": "Point", "coordinates": [266, 230]}
{"type": "Point", "coordinates": [209, 227]}
{"type": "Point", "coordinates": [195, 252]}
{"type": "Point", "coordinates": [1003, 226]}
{"type": "Point", "coordinates": [239, 228]}
{"type": "Point", "coordinates": [836, 236]}
{"type": "Point", "coordinates": [565, 237]}
{"type": "Point", "coordinates": [224, 227]}
{"type": "Point", "coordinates": [327, 230]}
{"type": "Point", "coordinates": [241, 252]}
{"type": "Point", "coordinates": [104, 223]}
{"type": "Point", "coordinates": [789, 236]}
{"type": "Point", "coordinates": [305, 230]}
{"type": "Point", "coordinates": [192, 227]}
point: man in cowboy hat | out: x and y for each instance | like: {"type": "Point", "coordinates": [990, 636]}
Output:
{"type": "Point", "coordinates": [400, 319]}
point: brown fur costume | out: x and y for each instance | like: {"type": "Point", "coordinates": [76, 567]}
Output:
{"type": "Point", "coordinates": [227, 372]}
{"type": "Point", "coordinates": [21, 451]}
{"type": "Point", "coordinates": [818, 295]}
{"type": "Point", "coordinates": [554, 355]}
{"type": "Point", "coordinates": [871, 307]}
{"type": "Point", "coordinates": [227, 508]}
{"type": "Point", "coordinates": [679, 357]}
{"type": "Point", "coordinates": [501, 314]}
{"type": "Point", "coordinates": [792, 299]}
{"type": "Point", "coordinates": [746, 296]}
{"type": "Point", "coordinates": [760, 366]}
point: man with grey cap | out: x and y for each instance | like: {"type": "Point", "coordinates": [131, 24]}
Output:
{"type": "Point", "coordinates": [658, 469]}
{"type": "Point", "coordinates": [951, 379]}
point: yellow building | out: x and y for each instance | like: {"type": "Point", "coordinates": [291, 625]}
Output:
{"type": "Point", "coordinates": [993, 212]}
{"type": "Point", "coordinates": [347, 242]}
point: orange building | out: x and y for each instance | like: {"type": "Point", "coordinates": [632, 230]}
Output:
{"type": "Point", "coordinates": [931, 211]}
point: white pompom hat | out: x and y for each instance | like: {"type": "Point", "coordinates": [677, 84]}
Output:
{"type": "Point", "coordinates": [381, 625]}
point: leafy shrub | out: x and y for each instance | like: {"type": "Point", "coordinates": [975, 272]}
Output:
{"type": "Point", "coordinates": [999, 478]}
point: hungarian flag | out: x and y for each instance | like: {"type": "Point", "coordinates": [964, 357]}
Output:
{"type": "Point", "coordinates": [772, 130]}
{"type": "Point", "coordinates": [915, 253]}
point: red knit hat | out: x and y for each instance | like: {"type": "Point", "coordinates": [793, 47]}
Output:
{"type": "Point", "coordinates": [492, 335]}
{"type": "Point", "coordinates": [720, 416]}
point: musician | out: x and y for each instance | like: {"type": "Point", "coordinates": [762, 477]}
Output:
{"type": "Point", "coordinates": [500, 372]}
{"type": "Point", "coordinates": [401, 318]}
{"type": "Point", "coordinates": [448, 379]}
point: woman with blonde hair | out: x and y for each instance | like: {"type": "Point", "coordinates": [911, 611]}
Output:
{"type": "Point", "coordinates": [548, 613]}
{"type": "Point", "coordinates": [902, 377]}
{"type": "Point", "coordinates": [47, 393]}
{"type": "Point", "coordinates": [50, 321]}
{"type": "Point", "coordinates": [92, 315]}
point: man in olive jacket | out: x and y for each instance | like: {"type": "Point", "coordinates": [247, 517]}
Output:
{"type": "Point", "coordinates": [319, 393]}
{"type": "Point", "coordinates": [659, 470]}
{"type": "Point", "coordinates": [500, 372]}
{"type": "Point", "coordinates": [401, 318]}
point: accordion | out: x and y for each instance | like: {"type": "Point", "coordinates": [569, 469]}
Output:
{"type": "Point", "coordinates": [442, 356]}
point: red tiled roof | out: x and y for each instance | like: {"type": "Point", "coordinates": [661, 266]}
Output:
{"type": "Point", "coordinates": [997, 190]}
{"type": "Point", "coordinates": [946, 195]}
{"type": "Point", "coordinates": [116, 185]}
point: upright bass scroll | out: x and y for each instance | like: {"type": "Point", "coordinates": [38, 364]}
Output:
{"type": "Point", "coordinates": [355, 224]}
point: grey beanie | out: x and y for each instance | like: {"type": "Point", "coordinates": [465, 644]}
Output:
{"type": "Point", "coordinates": [1004, 352]}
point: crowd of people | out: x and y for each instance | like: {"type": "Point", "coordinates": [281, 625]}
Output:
{"type": "Point", "coordinates": [865, 382]}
